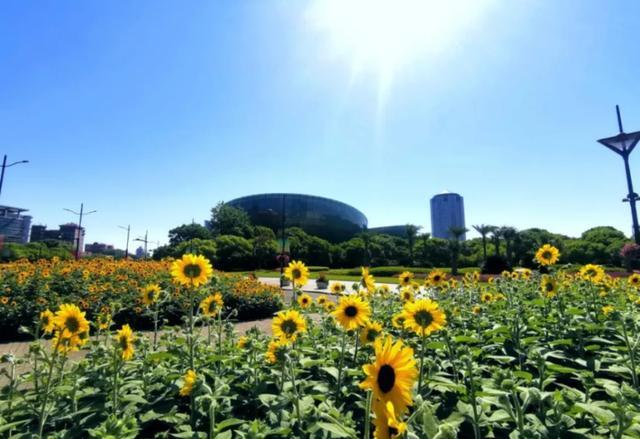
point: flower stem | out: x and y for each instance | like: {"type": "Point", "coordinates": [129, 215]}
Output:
{"type": "Point", "coordinates": [367, 416]}
{"type": "Point", "coordinates": [421, 362]}
{"type": "Point", "coordinates": [340, 363]}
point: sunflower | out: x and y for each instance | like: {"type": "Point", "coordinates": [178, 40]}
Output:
{"type": "Point", "coordinates": [150, 294]}
{"type": "Point", "coordinates": [406, 295]}
{"type": "Point", "coordinates": [189, 379]}
{"type": "Point", "coordinates": [392, 375]}
{"type": "Point", "coordinates": [406, 278]}
{"type": "Point", "coordinates": [287, 325]}
{"type": "Point", "coordinates": [397, 321]}
{"type": "Point", "coordinates": [383, 290]}
{"type": "Point", "coordinates": [486, 297]}
{"type": "Point", "coordinates": [367, 280]}
{"type": "Point", "coordinates": [548, 286]}
{"type": "Point", "coordinates": [423, 317]}
{"type": "Point", "coordinates": [634, 280]}
{"type": "Point", "coordinates": [305, 301]}
{"type": "Point", "coordinates": [243, 341]}
{"type": "Point", "coordinates": [337, 287]}
{"type": "Point", "coordinates": [4, 300]}
{"type": "Point", "coordinates": [70, 321]}
{"type": "Point", "coordinates": [124, 340]}
{"type": "Point", "coordinates": [297, 272]}
{"type": "Point", "coordinates": [592, 272]}
{"type": "Point", "coordinates": [547, 255]}
{"type": "Point", "coordinates": [46, 321]}
{"type": "Point", "coordinates": [352, 312]}
{"type": "Point", "coordinates": [370, 332]}
{"type": "Point", "coordinates": [321, 300]}
{"type": "Point", "coordinates": [104, 320]}
{"type": "Point", "coordinates": [212, 305]}
{"type": "Point", "coordinates": [476, 309]}
{"type": "Point", "coordinates": [525, 273]}
{"type": "Point", "coordinates": [276, 351]}
{"type": "Point", "coordinates": [329, 306]}
{"type": "Point", "coordinates": [386, 423]}
{"type": "Point", "coordinates": [191, 270]}
{"type": "Point", "coordinates": [607, 309]}
{"type": "Point", "coordinates": [436, 278]}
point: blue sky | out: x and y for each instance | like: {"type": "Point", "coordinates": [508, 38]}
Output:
{"type": "Point", "coordinates": [152, 112]}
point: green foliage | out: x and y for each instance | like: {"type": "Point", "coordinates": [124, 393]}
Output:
{"type": "Point", "coordinates": [229, 220]}
{"type": "Point", "coordinates": [34, 251]}
{"type": "Point", "coordinates": [233, 252]}
{"type": "Point", "coordinates": [187, 232]}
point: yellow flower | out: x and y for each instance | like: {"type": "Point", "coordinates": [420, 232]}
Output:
{"type": "Point", "coordinates": [337, 287]}
{"type": "Point", "coordinates": [242, 341]}
{"type": "Point", "coordinates": [548, 286]}
{"type": "Point", "coordinates": [406, 294]}
{"type": "Point", "coordinates": [189, 381]}
{"type": "Point", "coordinates": [276, 351]}
{"type": "Point", "coordinates": [367, 280]}
{"type": "Point", "coordinates": [46, 321]}
{"type": "Point", "coordinates": [4, 300]}
{"type": "Point", "coordinates": [423, 317]}
{"type": "Point", "coordinates": [124, 341]}
{"type": "Point", "coordinates": [486, 297]}
{"type": "Point", "coordinates": [525, 273]}
{"type": "Point", "coordinates": [547, 255]}
{"type": "Point", "coordinates": [297, 272]}
{"type": "Point", "coordinates": [397, 321]}
{"type": "Point", "coordinates": [608, 309]}
{"type": "Point", "coordinates": [392, 375]}
{"type": "Point", "coordinates": [150, 294]}
{"type": "Point", "coordinates": [212, 305]}
{"type": "Point", "coordinates": [70, 321]}
{"type": "Point", "coordinates": [406, 278]}
{"type": "Point", "coordinates": [104, 321]}
{"type": "Point", "coordinates": [592, 272]}
{"type": "Point", "coordinates": [476, 309]}
{"type": "Point", "coordinates": [191, 270]}
{"type": "Point", "coordinates": [634, 280]}
{"type": "Point", "coordinates": [329, 306]}
{"type": "Point", "coordinates": [352, 312]}
{"type": "Point", "coordinates": [386, 423]}
{"type": "Point", "coordinates": [436, 278]}
{"type": "Point", "coordinates": [321, 300]}
{"type": "Point", "coordinates": [370, 332]}
{"type": "Point", "coordinates": [287, 325]}
{"type": "Point", "coordinates": [305, 301]}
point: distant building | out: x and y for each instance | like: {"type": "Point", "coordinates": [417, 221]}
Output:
{"type": "Point", "coordinates": [447, 211]}
{"type": "Point", "coordinates": [399, 231]}
{"type": "Point", "coordinates": [98, 248]}
{"type": "Point", "coordinates": [14, 227]}
{"type": "Point", "coordinates": [69, 233]}
{"type": "Point", "coordinates": [140, 253]}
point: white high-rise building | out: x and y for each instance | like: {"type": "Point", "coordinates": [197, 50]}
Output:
{"type": "Point", "coordinates": [447, 211]}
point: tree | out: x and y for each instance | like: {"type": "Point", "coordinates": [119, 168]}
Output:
{"type": "Point", "coordinates": [204, 247]}
{"type": "Point", "coordinates": [509, 234]}
{"type": "Point", "coordinates": [412, 233]}
{"type": "Point", "coordinates": [229, 220]}
{"type": "Point", "coordinates": [366, 239]}
{"type": "Point", "coordinates": [455, 234]}
{"type": "Point", "coordinates": [265, 246]}
{"type": "Point", "coordinates": [187, 232]}
{"type": "Point", "coordinates": [233, 252]}
{"type": "Point", "coordinates": [496, 234]}
{"type": "Point", "coordinates": [484, 231]}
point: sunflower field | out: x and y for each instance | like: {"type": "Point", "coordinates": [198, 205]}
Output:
{"type": "Point", "coordinates": [525, 355]}
{"type": "Point", "coordinates": [107, 287]}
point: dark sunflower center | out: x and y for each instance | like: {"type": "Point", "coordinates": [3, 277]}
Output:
{"type": "Point", "coordinates": [351, 311]}
{"type": "Point", "coordinates": [150, 295]}
{"type": "Point", "coordinates": [45, 320]}
{"type": "Point", "coordinates": [546, 255]}
{"type": "Point", "coordinates": [213, 306]}
{"type": "Point", "coordinates": [386, 378]}
{"type": "Point", "coordinates": [72, 324]}
{"type": "Point", "coordinates": [393, 431]}
{"type": "Point", "coordinates": [549, 287]}
{"type": "Point", "coordinates": [436, 278]}
{"type": "Point", "coordinates": [423, 318]}
{"type": "Point", "coordinates": [305, 300]}
{"type": "Point", "coordinates": [289, 327]}
{"type": "Point", "coordinates": [124, 343]}
{"type": "Point", "coordinates": [192, 270]}
{"type": "Point", "coordinates": [372, 334]}
{"type": "Point", "coordinates": [296, 273]}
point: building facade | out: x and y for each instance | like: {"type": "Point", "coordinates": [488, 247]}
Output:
{"type": "Point", "coordinates": [447, 211]}
{"type": "Point", "coordinates": [69, 233]}
{"type": "Point", "coordinates": [14, 226]}
{"type": "Point", "coordinates": [323, 217]}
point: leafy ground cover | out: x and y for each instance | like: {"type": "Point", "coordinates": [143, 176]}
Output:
{"type": "Point", "coordinates": [531, 355]}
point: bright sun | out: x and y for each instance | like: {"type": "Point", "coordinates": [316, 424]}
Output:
{"type": "Point", "coordinates": [385, 35]}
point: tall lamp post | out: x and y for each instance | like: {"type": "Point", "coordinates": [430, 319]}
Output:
{"type": "Point", "coordinates": [146, 242]}
{"type": "Point", "coordinates": [79, 230]}
{"type": "Point", "coordinates": [5, 166]}
{"type": "Point", "coordinates": [623, 144]}
{"type": "Point", "coordinates": [126, 250]}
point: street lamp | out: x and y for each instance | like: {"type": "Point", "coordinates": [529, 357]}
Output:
{"type": "Point", "coordinates": [623, 144]}
{"type": "Point", "coordinates": [80, 215]}
{"type": "Point", "coordinates": [4, 166]}
{"type": "Point", "coordinates": [128, 229]}
{"type": "Point", "coordinates": [146, 242]}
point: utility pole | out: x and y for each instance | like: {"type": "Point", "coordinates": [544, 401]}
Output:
{"type": "Point", "coordinates": [126, 250]}
{"type": "Point", "coordinates": [146, 242]}
{"type": "Point", "coordinates": [79, 229]}
{"type": "Point", "coordinates": [4, 166]}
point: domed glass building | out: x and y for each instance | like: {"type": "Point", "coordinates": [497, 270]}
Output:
{"type": "Point", "coordinates": [323, 217]}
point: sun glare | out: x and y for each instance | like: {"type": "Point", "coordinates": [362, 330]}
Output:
{"type": "Point", "coordinates": [385, 35]}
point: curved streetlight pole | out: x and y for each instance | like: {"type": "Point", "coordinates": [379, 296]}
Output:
{"type": "Point", "coordinates": [80, 215]}
{"type": "Point", "coordinates": [4, 166]}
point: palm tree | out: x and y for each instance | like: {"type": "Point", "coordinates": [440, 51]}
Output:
{"type": "Point", "coordinates": [455, 234]}
{"type": "Point", "coordinates": [366, 239]}
{"type": "Point", "coordinates": [509, 234]}
{"type": "Point", "coordinates": [484, 231]}
{"type": "Point", "coordinates": [496, 234]}
{"type": "Point", "coordinates": [425, 238]}
{"type": "Point", "coordinates": [412, 234]}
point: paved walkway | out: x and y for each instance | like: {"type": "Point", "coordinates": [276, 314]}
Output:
{"type": "Point", "coordinates": [310, 286]}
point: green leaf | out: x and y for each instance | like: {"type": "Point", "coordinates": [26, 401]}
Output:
{"type": "Point", "coordinates": [336, 430]}
{"type": "Point", "coordinates": [228, 423]}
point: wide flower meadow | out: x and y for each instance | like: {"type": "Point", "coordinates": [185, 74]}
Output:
{"type": "Point", "coordinates": [528, 354]}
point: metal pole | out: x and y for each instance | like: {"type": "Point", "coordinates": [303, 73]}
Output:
{"type": "Point", "coordinates": [79, 231]}
{"type": "Point", "coordinates": [146, 233]}
{"type": "Point", "coordinates": [4, 165]}
{"type": "Point", "coordinates": [126, 250]}
{"type": "Point", "coordinates": [632, 200]}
